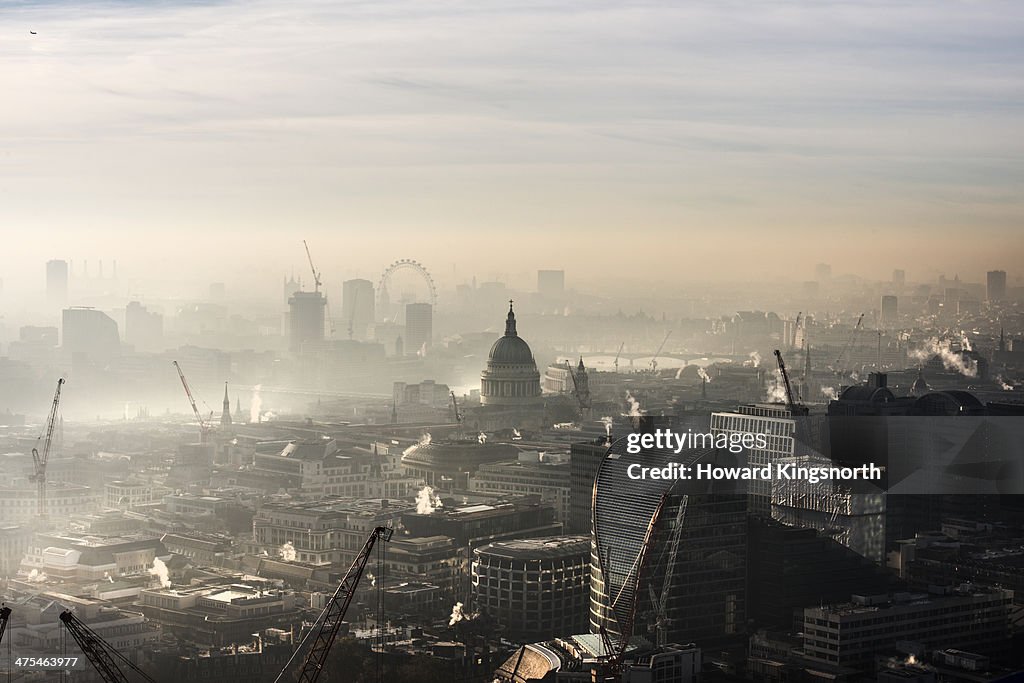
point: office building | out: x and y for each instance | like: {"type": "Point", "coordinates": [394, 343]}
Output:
{"type": "Point", "coordinates": [89, 334]}
{"type": "Point", "coordinates": [143, 329]}
{"type": "Point", "coordinates": [534, 588]}
{"type": "Point", "coordinates": [306, 311]}
{"type": "Point", "coordinates": [851, 635]}
{"type": "Point", "coordinates": [358, 308]}
{"type": "Point", "coordinates": [668, 560]}
{"type": "Point", "coordinates": [889, 310]}
{"type": "Point", "coordinates": [551, 282]}
{"type": "Point", "coordinates": [419, 328]}
{"type": "Point", "coordinates": [996, 285]}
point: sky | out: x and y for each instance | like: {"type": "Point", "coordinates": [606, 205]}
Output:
{"type": "Point", "coordinates": [707, 139]}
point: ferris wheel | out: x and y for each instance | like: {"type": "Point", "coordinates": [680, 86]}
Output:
{"type": "Point", "coordinates": [407, 264]}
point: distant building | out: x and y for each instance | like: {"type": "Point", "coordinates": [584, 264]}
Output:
{"type": "Point", "coordinates": [57, 283]}
{"type": "Point", "coordinates": [534, 588]}
{"type": "Point", "coordinates": [551, 282]}
{"type": "Point", "coordinates": [511, 377]}
{"type": "Point", "coordinates": [142, 328]}
{"type": "Point", "coordinates": [419, 328]}
{"type": "Point", "coordinates": [90, 334]}
{"type": "Point", "coordinates": [357, 308]}
{"type": "Point", "coordinates": [899, 278]}
{"type": "Point", "coordinates": [305, 319]}
{"type": "Point", "coordinates": [584, 462]}
{"type": "Point", "coordinates": [548, 480]}
{"type": "Point", "coordinates": [996, 285]}
{"type": "Point", "coordinates": [889, 310]}
{"type": "Point", "coordinates": [851, 635]}
{"type": "Point", "coordinates": [823, 273]}
{"type": "Point", "coordinates": [14, 542]}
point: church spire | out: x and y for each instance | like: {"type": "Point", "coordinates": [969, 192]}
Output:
{"type": "Point", "coordinates": [510, 322]}
{"type": "Point", "coordinates": [225, 416]}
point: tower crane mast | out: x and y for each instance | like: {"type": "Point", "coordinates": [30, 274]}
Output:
{"type": "Point", "coordinates": [849, 344]}
{"type": "Point", "coordinates": [316, 273]}
{"type": "Point", "coordinates": [617, 354]}
{"type": "Point", "coordinates": [5, 617]}
{"type": "Point", "coordinates": [334, 613]}
{"type": "Point", "coordinates": [204, 427]}
{"type": "Point", "coordinates": [654, 358]}
{"type": "Point", "coordinates": [105, 659]}
{"type": "Point", "coordinates": [39, 460]}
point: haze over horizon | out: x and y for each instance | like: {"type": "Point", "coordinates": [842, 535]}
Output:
{"type": "Point", "coordinates": [217, 135]}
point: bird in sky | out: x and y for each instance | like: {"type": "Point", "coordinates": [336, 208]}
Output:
{"type": "Point", "coordinates": [32, 32]}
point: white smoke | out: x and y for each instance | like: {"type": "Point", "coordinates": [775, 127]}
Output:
{"type": "Point", "coordinates": [159, 570]}
{"type": "Point", "coordinates": [459, 614]}
{"type": "Point", "coordinates": [607, 426]}
{"type": "Point", "coordinates": [424, 440]}
{"type": "Point", "coordinates": [951, 360]}
{"type": "Point", "coordinates": [481, 438]}
{"type": "Point", "coordinates": [775, 388]}
{"type": "Point", "coordinates": [703, 374]}
{"type": "Point", "coordinates": [516, 435]}
{"type": "Point", "coordinates": [255, 404]}
{"type": "Point", "coordinates": [679, 372]}
{"type": "Point", "coordinates": [36, 576]}
{"type": "Point", "coordinates": [287, 552]}
{"type": "Point", "coordinates": [1002, 383]}
{"type": "Point", "coordinates": [372, 578]}
{"type": "Point", "coordinates": [754, 361]}
{"type": "Point", "coordinates": [634, 406]}
{"type": "Point", "coordinates": [427, 501]}
{"type": "Point", "coordinates": [965, 343]}
{"type": "Point", "coordinates": [830, 393]}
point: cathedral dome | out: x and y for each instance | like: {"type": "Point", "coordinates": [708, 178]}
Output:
{"type": "Point", "coordinates": [511, 376]}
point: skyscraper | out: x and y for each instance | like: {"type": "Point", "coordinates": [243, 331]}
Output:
{"type": "Point", "coordinates": [889, 310]}
{"type": "Point", "coordinates": [551, 282]}
{"type": "Point", "coordinates": [419, 327]}
{"type": "Point", "coordinates": [357, 308]}
{"type": "Point", "coordinates": [305, 319]}
{"type": "Point", "coordinates": [57, 283]}
{"type": "Point", "coordinates": [89, 333]}
{"type": "Point", "coordinates": [142, 328]}
{"type": "Point", "coordinates": [996, 285]}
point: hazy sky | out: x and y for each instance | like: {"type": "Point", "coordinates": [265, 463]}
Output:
{"type": "Point", "coordinates": [764, 135]}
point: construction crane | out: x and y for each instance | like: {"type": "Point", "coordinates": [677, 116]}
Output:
{"type": "Point", "coordinates": [316, 273]}
{"type": "Point", "coordinates": [104, 658]}
{"type": "Point", "coordinates": [316, 287]}
{"type": "Point", "coordinates": [617, 354]}
{"type": "Point", "coordinates": [654, 358]}
{"type": "Point", "coordinates": [332, 616]}
{"type": "Point", "coordinates": [794, 406]}
{"type": "Point", "coordinates": [5, 617]}
{"type": "Point", "coordinates": [204, 426]}
{"type": "Point", "coordinates": [455, 408]}
{"type": "Point", "coordinates": [39, 460]}
{"type": "Point", "coordinates": [849, 345]}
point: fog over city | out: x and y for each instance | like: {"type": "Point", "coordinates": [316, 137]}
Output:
{"type": "Point", "coordinates": [334, 335]}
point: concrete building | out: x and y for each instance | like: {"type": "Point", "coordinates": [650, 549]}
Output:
{"type": "Point", "coordinates": [221, 614]}
{"type": "Point", "coordinates": [849, 636]}
{"type": "Point", "coordinates": [14, 543]}
{"type": "Point", "coordinates": [18, 504]}
{"type": "Point", "coordinates": [70, 556]}
{"type": "Point", "coordinates": [89, 334]}
{"type": "Point", "coordinates": [534, 588]}
{"type": "Point", "coordinates": [549, 480]}
{"type": "Point", "coordinates": [419, 328]}
{"type": "Point", "coordinates": [128, 495]}
{"type": "Point", "coordinates": [357, 308]}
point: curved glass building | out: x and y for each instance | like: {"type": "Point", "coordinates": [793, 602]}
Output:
{"type": "Point", "coordinates": [668, 557]}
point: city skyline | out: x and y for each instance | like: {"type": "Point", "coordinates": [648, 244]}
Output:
{"type": "Point", "coordinates": [803, 133]}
